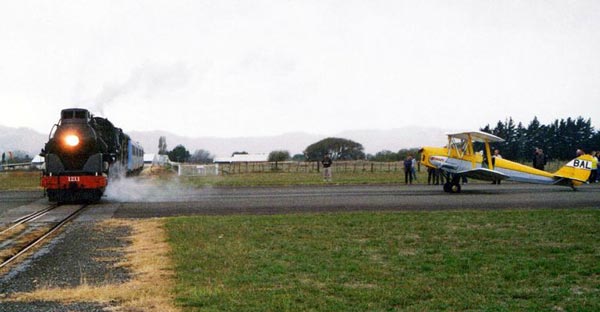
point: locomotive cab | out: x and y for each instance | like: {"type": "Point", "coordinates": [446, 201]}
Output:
{"type": "Point", "coordinates": [75, 114]}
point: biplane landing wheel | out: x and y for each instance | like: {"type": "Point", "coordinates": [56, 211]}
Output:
{"type": "Point", "coordinates": [455, 188]}
{"type": "Point", "coordinates": [447, 187]}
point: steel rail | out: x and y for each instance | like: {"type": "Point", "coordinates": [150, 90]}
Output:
{"type": "Point", "coordinates": [30, 217]}
{"type": "Point", "coordinates": [41, 238]}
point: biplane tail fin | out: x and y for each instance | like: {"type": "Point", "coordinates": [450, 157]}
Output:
{"type": "Point", "coordinates": [576, 171]}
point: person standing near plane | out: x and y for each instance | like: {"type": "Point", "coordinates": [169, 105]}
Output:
{"type": "Point", "coordinates": [496, 155]}
{"type": "Point", "coordinates": [440, 176]}
{"type": "Point", "coordinates": [414, 168]}
{"type": "Point", "coordinates": [432, 176]}
{"type": "Point", "coordinates": [408, 167]}
{"type": "Point", "coordinates": [327, 176]}
{"type": "Point", "coordinates": [594, 175]}
{"type": "Point", "coordinates": [539, 159]}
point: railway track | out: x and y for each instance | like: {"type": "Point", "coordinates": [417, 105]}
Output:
{"type": "Point", "coordinates": [23, 233]}
{"type": "Point", "coordinates": [28, 218]}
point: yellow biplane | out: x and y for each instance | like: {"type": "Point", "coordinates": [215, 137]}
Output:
{"type": "Point", "coordinates": [459, 159]}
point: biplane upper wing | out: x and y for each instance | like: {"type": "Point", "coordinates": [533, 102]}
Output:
{"type": "Point", "coordinates": [476, 136]}
{"type": "Point", "coordinates": [483, 174]}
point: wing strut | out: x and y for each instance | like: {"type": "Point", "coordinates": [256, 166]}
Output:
{"type": "Point", "coordinates": [488, 154]}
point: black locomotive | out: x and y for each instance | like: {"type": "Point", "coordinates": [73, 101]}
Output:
{"type": "Point", "coordinates": [82, 152]}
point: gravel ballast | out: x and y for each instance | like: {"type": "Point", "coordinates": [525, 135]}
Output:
{"type": "Point", "coordinates": [83, 253]}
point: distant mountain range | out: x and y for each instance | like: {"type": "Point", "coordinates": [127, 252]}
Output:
{"type": "Point", "coordinates": [21, 139]}
{"type": "Point", "coordinates": [30, 141]}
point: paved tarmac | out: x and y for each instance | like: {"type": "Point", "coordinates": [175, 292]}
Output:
{"type": "Point", "coordinates": [361, 198]}
{"type": "Point", "coordinates": [169, 201]}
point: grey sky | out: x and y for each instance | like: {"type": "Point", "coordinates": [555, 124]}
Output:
{"type": "Point", "coordinates": [246, 68]}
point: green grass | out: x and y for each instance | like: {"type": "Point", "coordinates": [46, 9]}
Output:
{"type": "Point", "coordinates": [20, 180]}
{"type": "Point", "coordinates": [409, 261]}
{"type": "Point", "coordinates": [28, 180]}
{"type": "Point", "coordinates": [288, 179]}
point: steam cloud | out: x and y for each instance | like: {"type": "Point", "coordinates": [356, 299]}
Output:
{"type": "Point", "coordinates": [149, 80]}
{"type": "Point", "coordinates": [138, 189]}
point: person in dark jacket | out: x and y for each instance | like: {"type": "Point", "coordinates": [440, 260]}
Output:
{"type": "Point", "coordinates": [539, 159]}
{"type": "Point", "coordinates": [327, 176]}
{"type": "Point", "coordinates": [408, 167]}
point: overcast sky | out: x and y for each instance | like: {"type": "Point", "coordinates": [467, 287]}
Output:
{"type": "Point", "coordinates": [251, 68]}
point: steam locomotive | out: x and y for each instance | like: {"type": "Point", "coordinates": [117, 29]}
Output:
{"type": "Point", "coordinates": [83, 153]}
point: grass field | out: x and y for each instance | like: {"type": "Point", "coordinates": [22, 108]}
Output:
{"type": "Point", "coordinates": [30, 180]}
{"type": "Point", "coordinates": [410, 261]}
{"type": "Point", "coordinates": [288, 179]}
{"type": "Point", "coordinates": [20, 180]}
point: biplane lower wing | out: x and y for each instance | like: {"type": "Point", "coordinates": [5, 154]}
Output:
{"type": "Point", "coordinates": [483, 174]}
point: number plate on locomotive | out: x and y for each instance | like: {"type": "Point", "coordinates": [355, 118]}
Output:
{"type": "Point", "coordinates": [73, 179]}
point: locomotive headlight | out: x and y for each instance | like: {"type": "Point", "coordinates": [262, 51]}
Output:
{"type": "Point", "coordinates": [72, 140]}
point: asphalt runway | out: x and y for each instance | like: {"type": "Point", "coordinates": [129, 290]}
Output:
{"type": "Point", "coordinates": [159, 202]}
{"type": "Point", "coordinates": [362, 198]}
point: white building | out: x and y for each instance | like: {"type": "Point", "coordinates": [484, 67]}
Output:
{"type": "Point", "coordinates": [242, 158]}
{"type": "Point", "coordinates": [156, 159]}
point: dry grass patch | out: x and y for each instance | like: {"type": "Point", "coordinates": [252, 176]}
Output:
{"type": "Point", "coordinates": [11, 233]}
{"type": "Point", "coordinates": [150, 288]}
{"type": "Point", "coordinates": [22, 236]}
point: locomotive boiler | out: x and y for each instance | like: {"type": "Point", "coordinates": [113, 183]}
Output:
{"type": "Point", "coordinates": [83, 153]}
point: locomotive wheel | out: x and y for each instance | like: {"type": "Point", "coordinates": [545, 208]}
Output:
{"type": "Point", "coordinates": [76, 196]}
{"type": "Point", "coordinates": [97, 196]}
{"type": "Point", "coordinates": [53, 196]}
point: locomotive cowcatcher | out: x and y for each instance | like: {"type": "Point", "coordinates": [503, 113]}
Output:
{"type": "Point", "coordinates": [82, 152]}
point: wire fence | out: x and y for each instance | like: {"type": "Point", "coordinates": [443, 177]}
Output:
{"type": "Point", "coordinates": [287, 167]}
{"type": "Point", "coordinates": [359, 166]}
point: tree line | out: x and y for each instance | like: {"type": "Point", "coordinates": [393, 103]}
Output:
{"type": "Point", "coordinates": [559, 140]}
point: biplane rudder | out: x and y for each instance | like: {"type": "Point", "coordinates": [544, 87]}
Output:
{"type": "Point", "coordinates": [577, 170]}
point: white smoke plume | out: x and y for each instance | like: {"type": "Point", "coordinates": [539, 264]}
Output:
{"type": "Point", "coordinates": [136, 189]}
{"type": "Point", "coordinates": [146, 80]}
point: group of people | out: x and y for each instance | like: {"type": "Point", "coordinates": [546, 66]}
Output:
{"type": "Point", "coordinates": [435, 176]}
